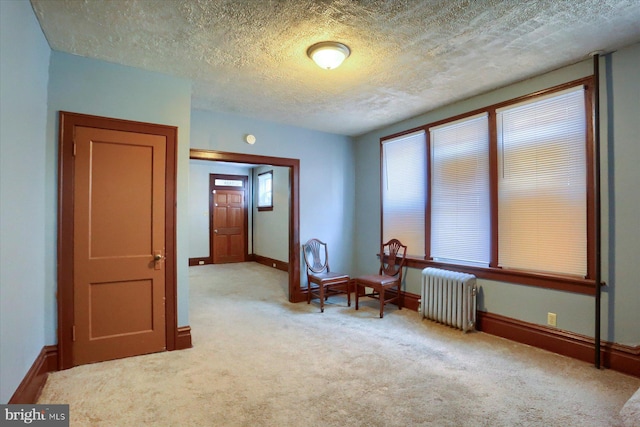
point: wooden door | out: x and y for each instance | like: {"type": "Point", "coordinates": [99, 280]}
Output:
{"type": "Point", "coordinates": [229, 235]}
{"type": "Point", "coordinates": [119, 244]}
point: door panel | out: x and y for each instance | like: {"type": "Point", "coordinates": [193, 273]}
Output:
{"type": "Point", "coordinates": [228, 226]}
{"type": "Point", "coordinates": [120, 308]}
{"type": "Point", "coordinates": [122, 205]}
{"type": "Point", "coordinates": [119, 224]}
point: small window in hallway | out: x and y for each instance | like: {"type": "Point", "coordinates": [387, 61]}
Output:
{"type": "Point", "coordinates": [265, 191]}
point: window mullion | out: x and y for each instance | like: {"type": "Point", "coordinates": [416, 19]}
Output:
{"type": "Point", "coordinates": [427, 214]}
{"type": "Point", "coordinates": [493, 186]}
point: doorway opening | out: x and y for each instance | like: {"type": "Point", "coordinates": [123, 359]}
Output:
{"type": "Point", "coordinates": [294, 292]}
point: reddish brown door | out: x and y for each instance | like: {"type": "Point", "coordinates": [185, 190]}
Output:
{"type": "Point", "coordinates": [228, 226]}
{"type": "Point", "coordinates": [119, 239]}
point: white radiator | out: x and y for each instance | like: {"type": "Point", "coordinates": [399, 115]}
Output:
{"type": "Point", "coordinates": [449, 297]}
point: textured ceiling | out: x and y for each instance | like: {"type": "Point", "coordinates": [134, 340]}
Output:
{"type": "Point", "coordinates": [408, 57]}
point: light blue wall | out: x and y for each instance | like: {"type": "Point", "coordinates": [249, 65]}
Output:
{"type": "Point", "coordinates": [621, 206]}
{"type": "Point", "coordinates": [88, 86]}
{"type": "Point", "coordinates": [271, 228]}
{"type": "Point", "coordinates": [623, 135]}
{"type": "Point", "coordinates": [24, 63]}
{"type": "Point", "coordinates": [326, 172]}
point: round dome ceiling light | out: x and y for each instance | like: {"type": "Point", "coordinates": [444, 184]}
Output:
{"type": "Point", "coordinates": [328, 55]}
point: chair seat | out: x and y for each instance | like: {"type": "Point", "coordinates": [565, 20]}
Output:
{"type": "Point", "coordinates": [376, 280]}
{"type": "Point", "coordinates": [323, 285]}
{"type": "Point", "coordinates": [328, 278]}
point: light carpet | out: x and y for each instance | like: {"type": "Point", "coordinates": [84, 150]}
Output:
{"type": "Point", "coordinates": [259, 360]}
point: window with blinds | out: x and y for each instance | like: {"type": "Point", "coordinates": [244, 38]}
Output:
{"type": "Point", "coordinates": [504, 191]}
{"type": "Point", "coordinates": [404, 191]}
{"type": "Point", "coordinates": [460, 193]}
{"type": "Point", "coordinates": [542, 185]}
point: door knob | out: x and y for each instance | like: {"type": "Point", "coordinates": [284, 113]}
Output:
{"type": "Point", "coordinates": [215, 230]}
{"type": "Point", "coordinates": [157, 258]}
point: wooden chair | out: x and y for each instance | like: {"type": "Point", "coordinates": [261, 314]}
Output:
{"type": "Point", "coordinates": [321, 281]}
{"type": "Point", "coordinates": [389, 276]}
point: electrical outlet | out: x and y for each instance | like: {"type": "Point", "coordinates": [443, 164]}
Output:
{"type": "Point", "coordinates": [551, 319]}
{"type": "Point", "coordinates": [200, 262]}
{"type": "Point", "coordinates": [274, 265]}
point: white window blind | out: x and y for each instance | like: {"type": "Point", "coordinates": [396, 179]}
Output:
{"type": "Point", "coordinates": [542, 185]}
{"type": "Point", "coordinates": [460, 199]}
{"type": "Point", "coordinates": [404, 191]}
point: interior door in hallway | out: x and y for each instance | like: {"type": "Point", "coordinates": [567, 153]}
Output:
{"type": "Point", "coordinates": [229, 218]}
{"type": "Point", "coordinates": [119, 244]}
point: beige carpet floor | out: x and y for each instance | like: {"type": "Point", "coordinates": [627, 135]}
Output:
{"type": "Point", "coordinates": [259, 360]}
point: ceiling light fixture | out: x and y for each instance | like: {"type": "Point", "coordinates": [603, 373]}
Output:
{"type": "Point", "coordinates": [328, 55]}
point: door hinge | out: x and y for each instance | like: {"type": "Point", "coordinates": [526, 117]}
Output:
{"type": "Point", "coordinates": [74, 149]}
{"type": "Point", "coordinates": [73, 333]}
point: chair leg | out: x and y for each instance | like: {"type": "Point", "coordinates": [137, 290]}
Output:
{"type": "Point", "coordinates": [321, 298]}
{"type": "Point", "coordinates": [348, 294]}
{"type": "Point", "coordinates": [381, 303]}
{"type": "Point", "coordinates": [309, 293]}
{"type": "Point", "coordinates": [357, 292]}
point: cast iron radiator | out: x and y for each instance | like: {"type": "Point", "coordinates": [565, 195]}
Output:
{"type": "Point", "coordinates": [449, 297]}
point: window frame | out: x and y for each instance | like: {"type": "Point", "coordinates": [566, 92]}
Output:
{"type": "Point", "coordinates": [493, 271]}
{"type": "Point", "coordinates": [383, 169]}
{"type": "Point", "coordinates": [269, 207]}
{"type": "Point", "coordinates": [435, 197]}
